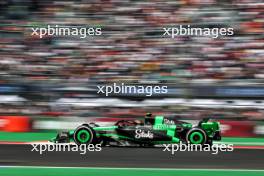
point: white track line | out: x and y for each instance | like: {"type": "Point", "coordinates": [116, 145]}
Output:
{"type": "Point", "coordinates": [126, 168]}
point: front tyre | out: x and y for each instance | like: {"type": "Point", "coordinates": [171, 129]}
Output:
{"type": "Point", "coordinates": [196, 136]}
{"type": "Point", "coordinates": [84, 134]}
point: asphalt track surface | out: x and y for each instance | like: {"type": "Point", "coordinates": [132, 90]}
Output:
{"type": "Point", "coordinates": [21, 155]}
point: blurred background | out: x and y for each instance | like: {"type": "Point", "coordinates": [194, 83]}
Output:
{"type": "Point", "coordinates": [50, 84]}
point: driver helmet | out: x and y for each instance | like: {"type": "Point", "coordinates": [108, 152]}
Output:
{"type": "Point", "coordinates": [148, 114]}
{"type": "Point", "coordinates": [148, 119]}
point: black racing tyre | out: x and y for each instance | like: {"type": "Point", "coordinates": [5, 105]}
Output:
{"type": "Point", "coordinates": [84, 134]}
{"type": "Point", "coordinates": [196, 136]}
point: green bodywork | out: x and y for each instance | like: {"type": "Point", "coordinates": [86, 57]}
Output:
{"type": "Point", "coordinates": [210, 127]}
{"type": "Point", "coordinates": [170, 129]}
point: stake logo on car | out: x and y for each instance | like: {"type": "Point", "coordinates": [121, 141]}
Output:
{"type": "Point", "coordinates": [143, 134]}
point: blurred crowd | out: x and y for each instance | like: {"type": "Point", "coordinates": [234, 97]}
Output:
{"type": "Point", "coordinates": [108, 114]}
{"type": "Point", "coordinates": [131, 48]}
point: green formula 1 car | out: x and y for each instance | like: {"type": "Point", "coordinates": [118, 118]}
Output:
{"type": "Point", "coordinates": [157, 130]}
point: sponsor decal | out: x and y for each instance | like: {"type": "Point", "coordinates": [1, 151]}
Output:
{"type": "Point", "coordinates": [169, 122]}
{"type": "Point", "coordinates": [143, 134]}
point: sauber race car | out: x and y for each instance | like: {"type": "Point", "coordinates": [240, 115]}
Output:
{"type": "Point", "coordinates": [149, 132]}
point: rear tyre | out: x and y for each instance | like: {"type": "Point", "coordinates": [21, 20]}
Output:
{"type": "Point", "coordinates": [196, 136]}
{"type": "Point", "coordinates": [84, 134]}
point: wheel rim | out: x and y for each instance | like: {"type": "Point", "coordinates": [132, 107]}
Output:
{"type": "Point", "coordinates": [196, 138]}
{"type": "Point", "coordinates": [83, 136]}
